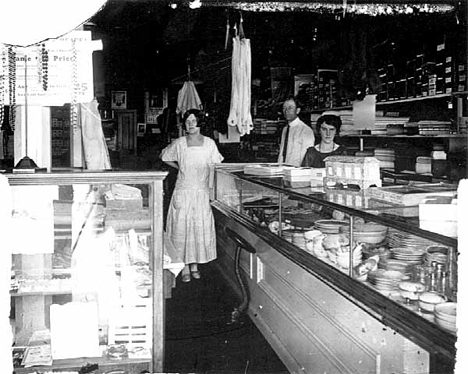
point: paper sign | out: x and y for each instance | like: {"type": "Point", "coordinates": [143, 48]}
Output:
{"type": "Point", "coordinates": [364, 113]}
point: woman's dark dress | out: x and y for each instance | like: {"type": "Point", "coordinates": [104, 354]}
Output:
{"type": "Point", "coordinates": [314, 158]}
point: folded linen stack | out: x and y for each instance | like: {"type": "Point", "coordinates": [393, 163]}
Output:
{"type": "Point", "coordinates": [386, 158]}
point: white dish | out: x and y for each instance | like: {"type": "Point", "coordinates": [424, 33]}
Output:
{"type": "Point", "coordinates": [428, 300]}
{"type": "Point", "coordinates": [446, 309]}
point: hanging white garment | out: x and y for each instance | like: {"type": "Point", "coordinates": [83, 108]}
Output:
{"type": "Point", "coordinates": [239, 113]}
{"type": "Point", "coordinates": [95, 149]}
{"type": "Point", "coordinates": [188, 98]}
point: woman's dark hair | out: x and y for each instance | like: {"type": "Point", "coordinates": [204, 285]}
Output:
{"type": "Point", "coordinates": [198, 115]}
{"type": "Point", "coordinates": [329, 119]}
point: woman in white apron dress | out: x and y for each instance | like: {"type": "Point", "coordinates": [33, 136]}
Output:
{"type": "Point", "coordinates": [190, 223]}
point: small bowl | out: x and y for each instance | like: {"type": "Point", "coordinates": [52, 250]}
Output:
{"type": "Point", "coordinates": [428, 300]}
{"type": "Point", "coordinates": [411, 290]}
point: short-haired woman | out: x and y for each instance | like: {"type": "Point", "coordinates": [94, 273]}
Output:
{"type": "Point", "coordinates": [328, 126]}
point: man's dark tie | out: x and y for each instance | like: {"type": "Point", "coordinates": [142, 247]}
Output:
{"type": "Point", "coordinates": [285, 147]}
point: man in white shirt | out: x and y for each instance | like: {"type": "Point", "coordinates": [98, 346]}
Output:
{"type": "Point", "coordinates": [296, 136]}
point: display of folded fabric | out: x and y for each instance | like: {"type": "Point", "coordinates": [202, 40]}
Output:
{"type": "Point", "coordinates": [121, 196]}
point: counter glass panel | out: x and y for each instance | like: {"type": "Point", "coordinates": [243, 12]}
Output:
{"type": "Point", "coordinates": [391, 254]}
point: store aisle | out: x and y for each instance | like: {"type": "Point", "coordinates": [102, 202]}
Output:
{"type": "Point", "coordinates": [200, 338]}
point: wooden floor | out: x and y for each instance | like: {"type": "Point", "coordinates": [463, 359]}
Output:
{"type": "Point", "coordinates": [200, 337]}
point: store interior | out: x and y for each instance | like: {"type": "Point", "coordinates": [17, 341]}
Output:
{"type": "Point", "coordinates": [150, 49]}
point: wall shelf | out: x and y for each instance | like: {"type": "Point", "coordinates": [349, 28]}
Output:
{"type": "Point", "coordinates": [400, 101]}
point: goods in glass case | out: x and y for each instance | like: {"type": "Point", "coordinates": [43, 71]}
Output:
{"type": "Point", "coordinates": [75, 286]}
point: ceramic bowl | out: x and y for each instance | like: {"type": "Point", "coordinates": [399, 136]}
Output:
{"type": "Point", "coordinates": [411, 290]}
{"type": "Point", "coordinates": [428, 300]}
{"type": "Point", "coordinates": [446, 312]}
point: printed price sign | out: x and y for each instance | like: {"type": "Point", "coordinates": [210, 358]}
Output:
{"type": "Point", "coordinates": [55, 72]}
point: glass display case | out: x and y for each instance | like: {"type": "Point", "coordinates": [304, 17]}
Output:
{"type": "Point", "coordinates": [375, 253]}
{"type": "Point", "coordinates": [87, 271]}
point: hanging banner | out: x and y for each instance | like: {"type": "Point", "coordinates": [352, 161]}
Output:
{"type": "Point", "coordinates": [51, 73]}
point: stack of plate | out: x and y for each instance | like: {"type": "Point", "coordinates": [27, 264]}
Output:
{"type": "Point", "coordinates": [386, 280]}
{"type": "Point", "coordinates": [393, 264]}
{"type": "Point", "coordinates": [367, 233]}
{"type": "Point", "coordinates": [446, 316]}
{"type": "Point", "coordinates": [402, 239]}
{"type": "Point", "coordinates": [408, 255]}
{"type": "Point", "coordinates": [330, 226]}
{"type": "Point", "coordinates": [386, 158]}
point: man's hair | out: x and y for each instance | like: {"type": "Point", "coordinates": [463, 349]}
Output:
{"type": "Point", "coordinates": [296, 100]}
{"type": "Point", "coordinates": [329, 119]}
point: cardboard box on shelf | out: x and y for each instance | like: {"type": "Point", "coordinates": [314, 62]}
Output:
{"type": "Point", "coordinates": [439, 214]}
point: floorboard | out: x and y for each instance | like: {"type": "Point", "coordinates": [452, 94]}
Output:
{"type": "Point", "coordinates": [200, 337]}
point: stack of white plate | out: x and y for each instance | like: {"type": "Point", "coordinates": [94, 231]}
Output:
{"type": "Point", "coordinates": [446, 316]}
{"type": "Point", "coordinates": [393, 264]}
{"type": "Point", "coordinates": [409, 255]}
{"type": "Point", "coordinates": [367, 233]}
{"type": "Point", "coordinates": [330, 226]}
{"type": "Point", "coordinates": [402, 239]}
{"type": "Point", "coordinates": [386, 158]}
{"type": "Point", "coordinates": [386, 280]}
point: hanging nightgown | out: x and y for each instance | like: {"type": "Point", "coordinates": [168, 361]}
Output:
{"type": "Point", "coordinates": [190, 223]}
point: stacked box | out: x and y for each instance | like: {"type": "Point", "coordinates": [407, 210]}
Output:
{"type": "Point", "coordinates": [350, 198]}
{"type": "Point", "coordinates": [351, 170]}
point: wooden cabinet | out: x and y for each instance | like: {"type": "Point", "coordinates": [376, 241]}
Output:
{"type": "Point", "coordinates": [87, 270]}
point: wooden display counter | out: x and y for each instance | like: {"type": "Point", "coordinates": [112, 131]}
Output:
{"type": "Point", "coordinates": [312, 325]}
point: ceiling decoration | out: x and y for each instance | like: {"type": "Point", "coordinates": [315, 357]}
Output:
{"type": "Point", "coordinates": [363, 8]}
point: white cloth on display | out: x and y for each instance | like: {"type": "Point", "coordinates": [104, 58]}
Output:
{"type": "Point", "coordinates": [301, 137]}
{"type": "Point", "coordinates": [96, 154]}
{"type": "Point", "coordinates": [190, 223]}
{"type": "Point", "coordinates": [239, 113]}
{"type": "Point", "coordinates": [188, 98]}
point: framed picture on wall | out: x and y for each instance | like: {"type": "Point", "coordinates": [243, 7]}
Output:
{"type": "Point", "coordinates": [119, 100]}
{"type": "Point", "coordinates": [141, 129]}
